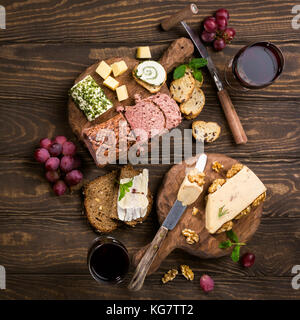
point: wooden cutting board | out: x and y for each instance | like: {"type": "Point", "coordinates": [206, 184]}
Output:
{"type": "Point", "coordinates": [179, 52]}
{"type": "Point", "coordinates": [208, 245]}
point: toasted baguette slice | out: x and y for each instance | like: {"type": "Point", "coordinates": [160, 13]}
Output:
{"type": "Point", "coordinates": [149, 87]}
{"type": "Point", "coordinates": [129, 172]}
{"type": "Point", "coordinates": [98, 198]}
{"type": "Point", "coordinates": [192, 107]}
{"type": "Point", "coordinates": [206, 131]}
{"type": "Point", "coordinates": [181, 89]}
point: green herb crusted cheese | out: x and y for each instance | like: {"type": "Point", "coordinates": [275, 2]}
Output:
{"type": "Point", "coordinates": [90, 98]}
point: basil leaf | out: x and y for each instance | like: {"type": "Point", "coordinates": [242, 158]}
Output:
{"type": "Point", "coordinates": [232, 236]}
{"type": "Point", "coordinates": [198, 75]}
{"type": "Point", "coordinates": [235, 255]}
{"type": "Point", "coordinates": [225, 244]}
{"type": "Point", "coordinates": [179, 72]}
{"type": "Point", "coordinates": [197, 63]}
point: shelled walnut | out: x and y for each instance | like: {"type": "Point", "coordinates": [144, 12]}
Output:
{"type": "Point", "coordinates": [225, 227]}
{"type": "Point", "coordinates": [259, 200]}
{"type": "Point", "coordinates": [234, 170]}
{"type": "Point", "coordinates": [198, 178]}
{"type": "Point", "coordinates": [169, 276]}
{"type": "Point", "coordinates": [187, 272]}
{"type": "Point", "coordinates": [216, 184]}
{"type": "Point", "coordinates": [195, 211]}
{"type": "Point", "coordinates": [191, 236]}
{"type": "Point", "coordinates": [243, 213]}
{"type": "Point", "coordinates": [217, 166]}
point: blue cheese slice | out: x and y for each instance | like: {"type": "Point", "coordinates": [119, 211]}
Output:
{"type": "Point", "coordinates": [135, 202]}
{"type": "Point", "coordinates": [231, 198]}
{"type": "Point", "coordinates": [90, 98]}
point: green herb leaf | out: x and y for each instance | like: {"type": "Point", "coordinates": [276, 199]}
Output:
{"type": "Point", "coordinates": [124, 187]}
{"type": "Point", "coordinates": [232, 236]}
{"type": "Point", "coordinates": [235, 255]}
{"type": "Point", "coordinates": [198, 75]}
{"type": "Point", "coordinates": [225, 244]}
{"type": "Point", "coordinates": [222, 211]}
{"type": "Point", "coordinates": [197, 63]}
{"type": "Point", "coordinates": [179, 72]}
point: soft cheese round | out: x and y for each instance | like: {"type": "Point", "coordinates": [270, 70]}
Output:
{"type": "Point", "coordinates": [151, 72]}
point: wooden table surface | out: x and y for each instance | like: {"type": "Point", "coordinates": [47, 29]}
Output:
{"type": "Point", "coordinates": [44, 238]}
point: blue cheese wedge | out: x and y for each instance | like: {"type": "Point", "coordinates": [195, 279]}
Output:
{"type": "Point", "coordinates": [135, 202]}
{"type": "Point", "coordinates": [90, 98]}
{"type": "Point", "coordinates": [235, 195]}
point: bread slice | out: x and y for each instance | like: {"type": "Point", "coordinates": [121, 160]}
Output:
{"type": "Point", "coordinates": [206, 131]}
{"type": "Point", "coordinates": [181, 89]}
{"type": "Point", "coordinates": [98, 198]}
{"type": "Point", "coordinates": [192, 107]}
{"type": "Point", "coordinates": [129, 172]}
{"type": "Point", "coordinates": [149, 87]}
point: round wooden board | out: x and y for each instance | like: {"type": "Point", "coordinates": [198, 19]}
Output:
{"type": "Point", "coordinates": [208, 245]}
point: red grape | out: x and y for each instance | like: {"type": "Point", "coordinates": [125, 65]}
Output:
{"type": "Point", "coordinates": [59, 188]}
{"type": "Point", "coordinates": [69, 148]}
{"type": "Point", "coordinates": [248, 260]}
{"type": "Point", "coordinates": [52, 164]}
{"type": "Point", "coordinates": [55, 149]}
{"type": "Point", "coordinates": [219, 44]}
{"type": "Point", "coordinates": [206, 283]}
{"type": "Point", "coordinates": [74, 177]}
{"type": "Point", "coordinates": [76, 162]}
{"type": "Point", "coordinates": [66, 163]}
{"type": "Point", "coordinates": [229, 34]}
{"type": "Point", "coordinates": [52, 176]}
{"type": "Point", "coordinates": [45, 143]}
{"type": "Point", "coordinates": [221, 23]}
{"type": "Point", "coordinates": [222, 13]}
{"type": "Point", "coordinates": [41, 155]}
{"type": "Point", "coordinates": [210, 24]}
{"type": "Point", "coordinates": [208, 36]}
{"type": "Point", "coordinates": [60, 139]}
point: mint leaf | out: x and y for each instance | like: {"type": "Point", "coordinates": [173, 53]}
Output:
{"type": "Point", "coordinates": [232, 236]}
{"type": "Point", "coordinates": [179, 72]}
{"type": "Point", "coordinates": [124, 187]}
{"type": "Point", "coordinates": [197, 63]}
{"type": "Point", "coordinates": [225, 244]}
{"type": "Point", "coordinates": [235, 255]}
{"type": "Point", "coordinates": [198, 75]}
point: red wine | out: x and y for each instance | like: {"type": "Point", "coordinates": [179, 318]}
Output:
{"type": "Point", "coordinates": [108, 260]}
{"type": "Point", "coordinates": [258, 65]}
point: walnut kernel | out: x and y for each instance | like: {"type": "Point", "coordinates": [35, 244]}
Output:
{"type": "Point", "coordinates": [198, 178]}
{"type": "Point", "coordinates": [234, 170]}
{"type": "Point", "coordinates": [217, 166]}
{"type": "Point", "coordinates": [191, 236]}
{"type": "Point", "coordinates": [169, 276]}
{"type": "Point", "coordinates": [195, 211]}
{"type": "Point", "coordinates": [259, 200]}
{"type": "Point", "coordinates": [243, 213]}
{"type": "Point", "coordinates": [187, 272]}
{"type": "Point", "coordinates": [225, 227]}
{"type": "Point", "coordinates": [216, 185]}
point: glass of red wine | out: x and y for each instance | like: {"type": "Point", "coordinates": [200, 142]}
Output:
{"type": "Point", "coordinates": [108, 260]}
{"type": "Point", "coordinates": [255, 66]}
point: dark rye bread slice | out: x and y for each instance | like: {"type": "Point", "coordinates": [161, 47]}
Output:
{"type": "Point", "coordinates": [129, 172]}
{"type": "Point", "coordinates": [99, 195]}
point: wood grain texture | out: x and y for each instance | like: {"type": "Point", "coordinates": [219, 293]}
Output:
{"type": "Point", "coordinates": [44, 239]}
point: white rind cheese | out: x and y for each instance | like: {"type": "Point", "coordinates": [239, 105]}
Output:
{"type": "Point", "coordinates": [135, 202]}
{"type": "Point", "coordinates": [233, 197]}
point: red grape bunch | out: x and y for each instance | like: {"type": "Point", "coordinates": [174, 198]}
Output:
{"type": "Point", "coordinates": [216, 31]}
{"type": "Point", "coordinates": [61, 163]}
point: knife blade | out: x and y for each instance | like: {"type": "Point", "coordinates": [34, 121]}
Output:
{"type": "Point", "coordinates": [178, 208]}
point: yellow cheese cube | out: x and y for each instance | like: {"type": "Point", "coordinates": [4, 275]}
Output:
{"type": "Point", "coordinates": [122, 93]}
{"type": "Point", "coordinates": [143, 53]}
{"type": "Point", "coordinates": [119, 68]}
{"type": "Point", "coordinates": [111, 83]}
{"type": "Point", "coordinates": [104, 70]}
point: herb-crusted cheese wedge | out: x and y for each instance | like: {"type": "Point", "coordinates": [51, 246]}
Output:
{"type": "Point", "coordinates": [90, 98]}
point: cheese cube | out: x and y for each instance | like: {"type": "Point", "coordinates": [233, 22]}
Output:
{"type": "Point", "coordinates": [122, 93]}
{"type": "Point", "coordinates": [143, 53]}
{"type": "Point", "coordinates": [111, 83]}
{"type": "Point", "coordinates": [119, 68]}
{"type": "Point", "coordinates": [104, 70]}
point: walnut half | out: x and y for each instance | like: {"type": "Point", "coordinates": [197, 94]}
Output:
{"type": "Point", "coordinates": [191, 236]}
{"type": "Point", "coordinates": [216, 185]}
{"type": "Point", "coordinates": [169, 276]}
{"type": "Point", "coordinates": [187, 272]}
{"type": "Point", "coordinates": [225, 227]}
{"type": "Point", "coordinates": [234, 170]}
{"type": "Point", "coordinates": [259, 200]}
{"type": "Point", "coordinates": [217, 166]}
{"type": "Point", "coordinates": [198, 178]}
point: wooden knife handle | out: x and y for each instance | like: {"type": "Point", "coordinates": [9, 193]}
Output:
{"type": "Point", "coordinates": [233, 120]}
{"type": "Point", "coordinates": [181, 15]}
{"type": "Point", "coordinates": [141, 271]}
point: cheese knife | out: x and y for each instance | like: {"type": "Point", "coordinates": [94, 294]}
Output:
{"type": "Point", "coordinates": [169, 223]}
{"type": "Point", "coordinates": [233, 120]}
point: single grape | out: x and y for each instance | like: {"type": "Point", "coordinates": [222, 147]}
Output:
{"type": "Point", "coordinates": [52, 176]}
{"type": "Point", "coordinates": [66, 163]}
{"type": "Point", "coordinates": [52, 164]}
{"type": "Point", "coordinates": [206, 283]}
{"type": "Point", "coordinates": [221, 23]}
{"type": "Point", "coordinates": [76, 162]}
{"type": "Point", "coordinates": [69, 148]}
{"type": "Point", "coordinates": [74, 177]}
{"type": "Point", "coordinates": [219, 44]}
{"type": "Point", "coordinates": [41, 155]}
{"type": "Point", "coordinates": [208, 36]}
{"type": "Point", "coordinates": [60, 139]}
{"type": "Point", "coordinates": [45, 143]}
{"type": "Point", "coordinates": [222, 13]}
{"type": "Point", "coordinates": [59, 188]}
{"type": "Point", "coordinates": [210, 24]}
{"type": "Point", "coordinates": [229, 34]}
{"type": "Point", "coordinates": [55, 149]}
{"type": "Point", "coordinates": [248, 260]}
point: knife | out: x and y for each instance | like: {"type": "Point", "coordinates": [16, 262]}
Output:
{"type": "Point", "coordinates": [169, 223]}
{"type": "Point", "coordinates": [234, 122]}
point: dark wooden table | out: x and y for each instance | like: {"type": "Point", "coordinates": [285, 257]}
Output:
{"type": "Point", "coordinates": [44, 238]}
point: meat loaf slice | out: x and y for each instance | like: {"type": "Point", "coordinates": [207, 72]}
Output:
{"type": "Point", "coordinates": [106, 137]}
